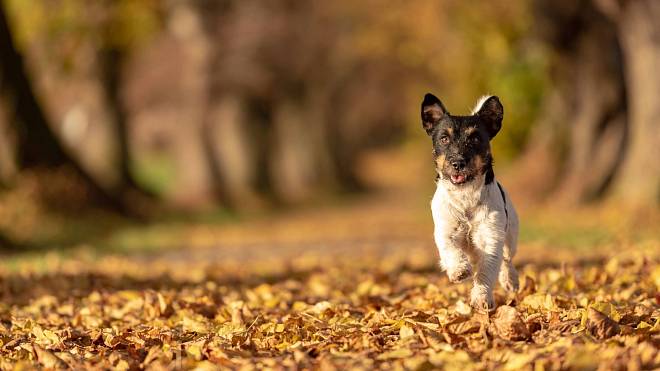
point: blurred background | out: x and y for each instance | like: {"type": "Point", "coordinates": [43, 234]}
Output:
{"type": "Point", "coordinates": [123, 120]}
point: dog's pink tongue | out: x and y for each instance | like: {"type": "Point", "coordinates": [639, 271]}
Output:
{"type": "Point", "coordinates": [457, 178]}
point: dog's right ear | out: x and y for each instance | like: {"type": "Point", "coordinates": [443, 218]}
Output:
{"type": "Point", "coordinates": [432, 112]}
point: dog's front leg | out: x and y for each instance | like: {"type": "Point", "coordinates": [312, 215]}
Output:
{"type": "Point", "coordinates": [489, 241]}
{"type": "Point", "coordinates": [450, 239]}
{"type": "Point", "coordinates": [451, 248]}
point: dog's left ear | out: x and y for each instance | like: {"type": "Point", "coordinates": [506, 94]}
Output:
{"type": "Point", "coordinates": [491, 114]}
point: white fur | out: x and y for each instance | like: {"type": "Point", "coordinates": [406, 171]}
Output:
{"type": "Point", "coordinates": [471, 229]}
{"type": "Point", "coordinates": [480, 103]}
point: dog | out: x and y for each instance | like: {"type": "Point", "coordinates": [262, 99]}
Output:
{"type": "Point", "coordinates": [476, 225]}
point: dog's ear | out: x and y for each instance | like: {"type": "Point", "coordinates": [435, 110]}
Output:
{"type": "Point", "coordinates": [491, 113]}
{"type": "Point", "coordinates": [432, 112]}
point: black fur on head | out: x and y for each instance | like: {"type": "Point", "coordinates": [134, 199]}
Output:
{"type": "Point", "coordinates": [461, 144]}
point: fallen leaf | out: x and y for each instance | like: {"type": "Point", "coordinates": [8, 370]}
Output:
{"type": "Point", "coordinates": [48, 359]}
{"type": "Point", "coordinates": [405, 332]}
{"type": "Point", "coordinates": [601, 326]}
{"type": "Point", "coordinates": [466, 327]}
{"type": "Point", "coordinates": [509, 324]}
{"type": "Point", "coordinates": [397, 353]}
{"type": "Point", "coordinates": [539, 301]}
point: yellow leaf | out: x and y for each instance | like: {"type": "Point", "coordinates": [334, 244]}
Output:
{"type": "Point", "coordinates": [607, 309]}
{"type": "Point", "coordinates": [656, 327]}
{"type": "Point", "coordinates": [51, 336]}
{"type": "Point", "coordinates": [194, 325]}
{"type": "Point", "coordinates": [394, 354]}
{"type": "Point", "coordinates": [583, 321]}
{"type": "Point", "coordinates": [539, 301]}
{"type": "Point", "coordinates": [195, 351]}
{"type": "Point", "coordinates": [162, 303]}
{"type": "Point", "coordinates": [463, 308]}
{"type": "Point", "coordinates": [643, 325]}
{"type": "Point", "coordinates": [415, 363]}
{"type": "Point", "coordinates": [364, 287]}
{"type": "Point", "coordinates": [449, 358]}
{"type": "Point", "coordinates": [299, 306]}
{"type": "Point", "coordinates": [428, 325]}
{"type": "Point", "coordinates": [38, 333]}
{"type": "Point", "coordinates": [229, 328]}
{"type": "Point", "coordinates": [518, 361]}
{"type": "Point", "coordinates": [321, 306]}
{"type": "Point", "coordinates": [655, 275]}
{"type": "Point", "coordinates": [205, 366]}
{"type": "Point", "coordinates": [122, 365]}
{"type": "Point", "coordinates": [405, 332]}
{"type": "Point", "coordinates": [48, 359]}
{"type": "Point", "coordinates": [612, 266]}
{"type": "Point", "coordinates": [282, 346]}
{"type": "Point", "coordinates": [569, 283]}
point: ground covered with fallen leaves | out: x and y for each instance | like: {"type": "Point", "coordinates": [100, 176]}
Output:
{"type": "Point", "coordinates": [339, 289]}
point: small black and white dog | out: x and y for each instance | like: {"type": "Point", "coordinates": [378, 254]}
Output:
{"type": "Point", "coordinates": [475, 222]}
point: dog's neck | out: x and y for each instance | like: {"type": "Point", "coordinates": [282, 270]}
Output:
{"type": "Point", "coordinates": [465, 197]}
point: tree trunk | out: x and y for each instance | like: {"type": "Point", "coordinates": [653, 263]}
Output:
{"type": "Point", "coordinates": [294, 156]}
{"type": "Point", "coordinates": [127, 187]}
{"type": "Point", "coordinates": [8, 165]}
{"type": "Point", "coordinates": [228, 151]}
{"type": "Point", "coordinates": [599, 122]}
{"type": "Point", "coordinates": [37, 144]}
{"type": "Point", "coordinates": [638, 181]}
{"type": "Point", "coordinates": [7, 244]}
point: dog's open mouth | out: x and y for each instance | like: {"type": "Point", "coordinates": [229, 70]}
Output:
{"type": "Point", "coordinates": [458, 178]}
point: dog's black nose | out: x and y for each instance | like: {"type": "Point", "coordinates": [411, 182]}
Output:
{"type": "Point", "coordinates": [458, 164]}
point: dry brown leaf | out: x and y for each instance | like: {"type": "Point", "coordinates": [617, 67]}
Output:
{"type": "Point", "coordinates": [48, 359]}
{"type": "Point", "coordinates": [466, 327]}
{"type": "Point", "coordinates": [509, 325]}
{"type": "Point", "coordinates": [601, 326]}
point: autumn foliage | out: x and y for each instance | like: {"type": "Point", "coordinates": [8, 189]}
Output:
{"type": "Point", "coordinates": [330, 290]}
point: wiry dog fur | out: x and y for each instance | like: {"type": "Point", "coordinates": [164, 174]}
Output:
{"type": "Point", "coordinates": [475, 222]}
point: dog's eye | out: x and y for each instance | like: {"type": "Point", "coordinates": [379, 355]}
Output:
{"type": "Point", "coordinates": [444, 139]}
{"type": "Point", "coordinates": [474, 139]}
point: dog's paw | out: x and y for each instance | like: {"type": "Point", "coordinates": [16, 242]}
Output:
{"type": "Point", "coordinates": [509, 277]}
{"type": "Point", "coordinates": [459, 273]}
{"type": "Point", "coordinates": [482, 299]}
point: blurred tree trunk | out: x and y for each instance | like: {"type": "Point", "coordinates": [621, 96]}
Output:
{"type": "Point", "coordinates": [294, 160]}
{"type": "Point", "coordinates": [231, 160]}
{"type": "Point", "coordinates": [113, 62]}
{"type": "Point", "coordinates": [257, 136]}
{"type": "Point", "coordinates": [8, 165]}
{"type": "Point", "coordinates": [36, 141]}
{"type": "Point", "coordinates": [6, 243]}
{"type": "Point", "coordinates": [639, 34]}
{"type": "Point", "coordinates": [37, 145]}
{"type": "Point", "coordinates": [599, 124]}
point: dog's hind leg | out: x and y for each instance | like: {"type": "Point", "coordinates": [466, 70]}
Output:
{"type": "Point", "coordinates": [508, 276]}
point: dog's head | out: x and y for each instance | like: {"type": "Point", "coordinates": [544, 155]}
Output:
{"type": "Point", "coordinates": [461, 144]}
